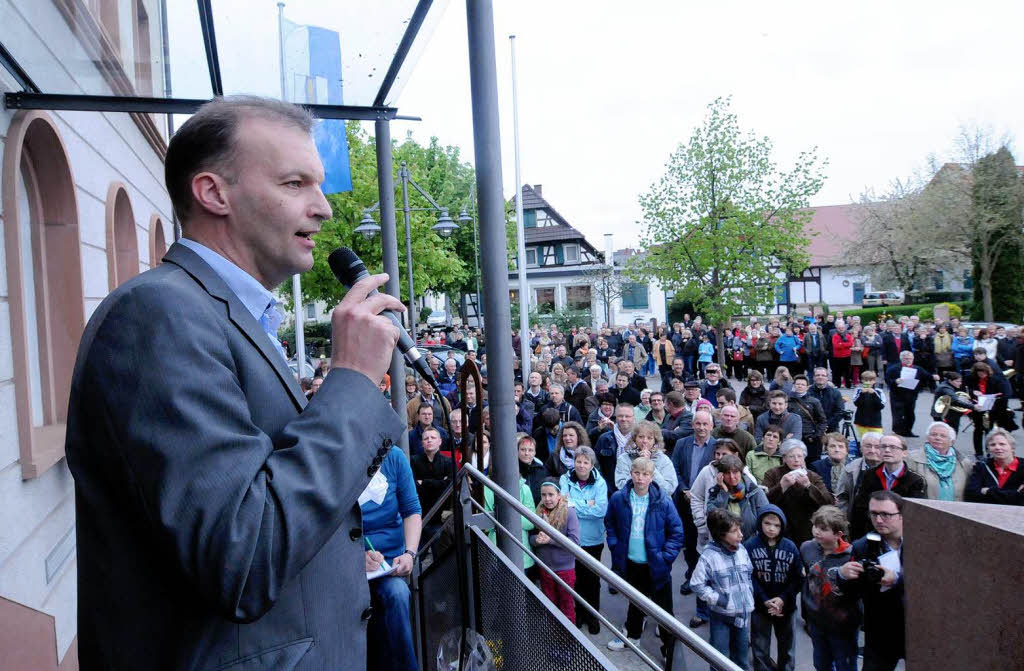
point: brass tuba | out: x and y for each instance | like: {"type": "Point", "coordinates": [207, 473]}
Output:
{"type": "Point", "coordinates": [944, 403]}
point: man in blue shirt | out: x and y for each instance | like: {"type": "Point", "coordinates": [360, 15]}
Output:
{"type": "Point", "coordinates": [392, 524]}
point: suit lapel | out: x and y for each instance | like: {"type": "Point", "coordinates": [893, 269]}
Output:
{"type": "Point", "coordinates": [191, 263]}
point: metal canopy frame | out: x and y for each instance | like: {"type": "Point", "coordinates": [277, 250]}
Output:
{"type": "Point", "coordinates": [31, 97]}
{"type": "Point", "coordinates": [490, 199]}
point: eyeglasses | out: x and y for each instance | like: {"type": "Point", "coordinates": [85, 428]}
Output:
{"type": "Point", "coordinates": [711, 372]}
{"type": "Point", "coordinates": [890, 448]}
{"type": "Point", "coordinates": [883, 516]}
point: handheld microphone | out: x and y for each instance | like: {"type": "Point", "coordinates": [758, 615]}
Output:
{"type": "Point", "coordinates": [349, 269]}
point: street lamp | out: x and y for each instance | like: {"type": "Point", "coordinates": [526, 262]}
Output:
{"type": "Point", "coordinates": [444, 227]}
{"type": "Point", "coordinates": [367, 226]}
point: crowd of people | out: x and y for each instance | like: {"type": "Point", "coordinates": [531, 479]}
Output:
{"type": "Point", "coordinates": [767, 500]}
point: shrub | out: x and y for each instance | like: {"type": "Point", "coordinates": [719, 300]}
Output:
{"type": "Point", "coordinates": [424, 313]}
{"type": "Point", "coordinates": [928, 311]}
{"type": "Point", "coordinates": [872, 314]}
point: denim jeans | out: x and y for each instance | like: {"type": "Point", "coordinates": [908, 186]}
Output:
{"type": "Point", "coordinates": [761, 627]}
{"type": "Point", "coordinates": [389, 645]}
{"type": "Point", "coordinates": [731, 640]}
{"type": "Point", "coordinates": [833, 647]}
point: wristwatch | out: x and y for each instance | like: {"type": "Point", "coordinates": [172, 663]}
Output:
{"type": "Point", "coordinates": [411, 553]}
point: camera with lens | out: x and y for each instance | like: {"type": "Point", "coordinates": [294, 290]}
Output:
{"type": "Point", "coordinates": [873, 571]}
{"type": "Point", "coordinates": [847, 415]}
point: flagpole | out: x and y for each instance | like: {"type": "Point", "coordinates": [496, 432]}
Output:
{"type": "Point", "coordinates": [524, 297]}
{"type": "Point", "coordinates": [300, 336]}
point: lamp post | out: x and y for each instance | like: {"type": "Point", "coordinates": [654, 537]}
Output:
{"type": "Point", "coordinates": [444, 227]}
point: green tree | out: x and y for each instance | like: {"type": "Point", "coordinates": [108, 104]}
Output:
{"type": "Point", "coordinates": [438, 264]}
{"type": "Point", "coordinates": [724, 226]}
{"type": "Point", "coordinates": [998, 198]}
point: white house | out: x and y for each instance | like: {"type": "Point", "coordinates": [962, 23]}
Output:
{"type": "Point", "coordinates": [561, 269]}
{"type": "Point", "coordinates": [84, 208]}
{"type": "Point", "coordinates": [828, 280]}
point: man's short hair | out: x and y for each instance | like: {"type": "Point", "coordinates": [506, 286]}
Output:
{"type": "Point", "coordinates": [424, 406]}
{"type": "Point", "coordinates": [721, 522]}
{"type": "Point", "coordinates": [628, 406]}
{"type": "Point", "coordinates": [605, 399]}
{"type": "Point", "coordinates": [525, 438]}
{"type": "Point", "coordinates": [778, 393]}
{"type": "Point", "coordinates": [553, 386]}
{"type": "Point", "coordinates": [801, 376]}
{"type": "Point", "coordinates": [980, 350]}
{"type": "Point", "coordinates": [430, 429]}
{"type": "Point", "coordinates": [888, 495]}
{"type": "Point", "coordinates": [675, 399]}
{"type": "Point", "coordinates": [208, 141]}
{"type": "Point", "coordinates": [831, 518]}
{"type": "Point", "coordinates": [727, 393]}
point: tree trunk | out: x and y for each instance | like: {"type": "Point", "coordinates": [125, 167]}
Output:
{"type": "Point", "coordinates": [985, 265]}
{"type": "Point", "coordinates": [720, 338]}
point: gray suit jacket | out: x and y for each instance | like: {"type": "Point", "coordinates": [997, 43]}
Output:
{"type": "Point", "coordinates": [216, 511]}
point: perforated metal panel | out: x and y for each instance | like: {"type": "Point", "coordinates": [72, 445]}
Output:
{"type": "Point", "coordinates": [524, 630]}
{"type": "Point", "coordinates": [439, 604]}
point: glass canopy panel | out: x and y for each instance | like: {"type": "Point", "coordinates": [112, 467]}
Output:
{"type": "Point", "coordinates": [335, 53]}
{"type": "Point", "coordinates": [106, 47]}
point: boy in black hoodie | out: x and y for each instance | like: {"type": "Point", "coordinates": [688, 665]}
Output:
{"type": "Point", "coordinates": [778, 576]}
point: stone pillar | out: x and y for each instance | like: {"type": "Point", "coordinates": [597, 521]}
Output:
{"type": "Point", "coordinates": [964, 581]}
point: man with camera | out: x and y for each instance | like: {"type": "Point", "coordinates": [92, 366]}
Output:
{"type": "Point", "coordinates": [875, 573]}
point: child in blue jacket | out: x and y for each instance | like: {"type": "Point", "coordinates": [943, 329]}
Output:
{"type": "Point", "coordinates": [645, 536]}
{"type": "Point", "coordinates": [777, 578]}
{"type": "Point", "coordinates": [705, 353]}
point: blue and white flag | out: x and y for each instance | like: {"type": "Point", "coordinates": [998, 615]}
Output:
{"type": "Point", "coordinates": [312, 63]}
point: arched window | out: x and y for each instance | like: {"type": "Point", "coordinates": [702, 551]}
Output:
{"type": "Point", "coordinates": [157, 241]}
{"type": "Point", "coordinates": [122, 239]}
{"type": "Point", "coordinates": [44, 275]}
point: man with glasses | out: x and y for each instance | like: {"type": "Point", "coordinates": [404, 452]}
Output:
{"type": "Point", "coordinates": [884, 638]}
{"type": "Point", "coordinates": [711, 384]}
{"type": "Point", "coordinates": [853, 473]}
{"type": "Point", "coordinates": [892, 475]}
{"type": "Point", "coordinates": [657, 413]}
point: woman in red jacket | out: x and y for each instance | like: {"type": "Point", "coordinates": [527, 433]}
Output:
{"type": "Point", "coordinates": [842, 344]}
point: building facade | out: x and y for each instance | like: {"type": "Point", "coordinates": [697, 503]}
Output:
{"type": "Point", "coordinates": [564, 271]}
{"type": "Point", "coordinates": [84, 209]}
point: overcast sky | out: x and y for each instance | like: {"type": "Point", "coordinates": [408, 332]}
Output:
{"type": "Point", "coordinates": [607, 90]}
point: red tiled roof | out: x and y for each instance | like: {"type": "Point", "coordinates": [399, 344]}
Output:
{"type": "Point", "coordinates": [833, 224]}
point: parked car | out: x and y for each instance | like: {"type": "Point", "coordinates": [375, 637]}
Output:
{"type": "Point", "coordinates": [974, 326]}
{"type": "Point", "coordinates": [441, 352]}
{"type": "Point", "coordinates": [438, 318]}
{"type": "Point", "coordinates": [874, 298]}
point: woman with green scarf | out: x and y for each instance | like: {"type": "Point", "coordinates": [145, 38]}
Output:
{"type": "Point", "coordinates": [945, 471]}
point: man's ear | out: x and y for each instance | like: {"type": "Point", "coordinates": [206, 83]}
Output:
{"type": "Point", "coordinates": [210, 193]}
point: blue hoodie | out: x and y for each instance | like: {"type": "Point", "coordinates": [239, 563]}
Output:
{"type": "Point", "coordinates": [788, 347]}
{"type": "Point", "coordinates": [778, 569]}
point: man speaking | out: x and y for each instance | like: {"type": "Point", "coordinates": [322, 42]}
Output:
{"type": "Point", "coordinates": [216, 509]}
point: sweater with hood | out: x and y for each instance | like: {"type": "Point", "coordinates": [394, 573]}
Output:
{"type": "Point", "coordinates": [778, 569]}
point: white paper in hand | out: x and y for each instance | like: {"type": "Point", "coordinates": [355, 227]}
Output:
{"type": "Point", "coordinates": [891, 561]}
{"type": "Point", "coordinates": [384, 569]}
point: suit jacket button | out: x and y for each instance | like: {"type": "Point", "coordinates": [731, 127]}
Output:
{"type": "Point", "coordinates": [355, 534]}
{"type": "Point", "coordinates": [367, 614]}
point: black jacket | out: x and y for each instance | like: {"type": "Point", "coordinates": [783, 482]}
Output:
{"type": "Point", "coordinates": [812, 418]}
{"type": "Point", "coordinates": [883, 611]}
{"type": "Point", "coordinates": [984, 476]}
{"type": "Point", "coordinates": [908, 485]}
{"type": "Point", "coordinates": [755, 400]}
{"type": "Point", "coordinates": [577, 396]}
{"type": "Point", "coordinates": [628, 395]}
{"type": "Point", "coordinates": [432, 478]}
{"type": "Point", "coordinates": [831, 402]}
{"type": "Point", "coordinates": [534, 473]}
